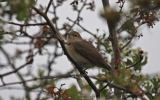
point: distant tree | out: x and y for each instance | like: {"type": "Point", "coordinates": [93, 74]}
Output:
{"type": "Point", "coordinates": [125, 83]}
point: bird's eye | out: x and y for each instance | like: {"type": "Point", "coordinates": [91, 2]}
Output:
{"type": "Point", "coordinates": [75, 35]}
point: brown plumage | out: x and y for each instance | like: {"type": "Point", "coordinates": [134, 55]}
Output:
{"type": "Point", "coordinates": [84, 52]}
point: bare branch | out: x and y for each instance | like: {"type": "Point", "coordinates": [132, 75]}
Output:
{"type": "Point", "coordinates": [83, 28]}
{"type": "Point", "coordinates": [19, 75]}
{"type": "Point", "coordinates": [26, 24]}
{"type": "Point", "coordinates": [113, 37]}
{"type": "Point", "coordinates": [14, 71]}
{"type": "Point", "coordinates": [34, 79]}
{"type": "Point", "coordinates": [49, 4]}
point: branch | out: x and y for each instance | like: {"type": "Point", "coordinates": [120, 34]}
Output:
{"type": "Point", "coordinates": [78, 15]}
{"type": "Point", "coordinates": [113, 37]}
{"type": "Point", "coordinates": [83, 28]}
{"type": "Point", "coordinates": [29, 24]}
{"type": "Point", "coordinates": [48, 6]}
{"type": "Point", "coordinates": [17, 43]}
{"type": "Point", "coordinates": [55, 13]}
{"type": "Point", "coordinates": [116, 86]}
{"type": "Point", "coordinates": [34, 79]}
{"type": "Point", "coordinates": [14, 71]}
{"type": "Point", "coordinates": [17, 88]}
{"type": "Point", "coordinates": [127, 43]}
{"type": "Point", "coordinates": [19, 75]}
{"type": "Point", "coordinates": [57, 34]}
{"type": "Point", "coordinates": [140, 59]}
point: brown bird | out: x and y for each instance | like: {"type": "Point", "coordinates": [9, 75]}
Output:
{"type": "Point", "coordinates": [84, 53]}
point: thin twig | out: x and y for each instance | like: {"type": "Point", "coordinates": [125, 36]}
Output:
{"type": "Point", "coordinates": [83, 28]}
{"type": "Point", "coordinates": [140, 59]}
{"type": "Point", "coordinates": [19, 75]}
{"type": "Point", "coordinates": [27, 24]}
{"type": "Point", "coordinates": [78, 15]}
{"type": "Point", "coordinates": [17, 43]}
{"type": "Point", "coordinates": [14, 71]}
{"type": "Point", "coordinates": [50, 2]}
{"type": "Point", "coordinates": [116, 86]}
{"type": "Point", "coordinates": [40, 78]}
{"type": "Point", "coordinates": [55, 14]}
{"type": "Point", "coordinates": [127, 43]}
{"type": "Point", "coordinates": [104, 87]}
{"type": "Point", "coordinates": [17, 88]}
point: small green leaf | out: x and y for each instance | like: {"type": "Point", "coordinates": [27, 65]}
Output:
{"type": "Point", "coordinates": [74, 93]}
{"type": "Point", "coordinates": [129, 62]}
{"type": "Point", "coordinates": [41, 72]}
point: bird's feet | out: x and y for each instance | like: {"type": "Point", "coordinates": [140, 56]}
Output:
{"type": "Point", "coordinates": [85, 70]}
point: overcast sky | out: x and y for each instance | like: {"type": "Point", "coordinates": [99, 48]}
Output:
{"type": "Point", "coordinates": [149, 42]}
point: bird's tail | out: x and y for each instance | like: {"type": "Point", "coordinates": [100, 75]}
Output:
{"type": "Point", "coordinates": [108, 67]}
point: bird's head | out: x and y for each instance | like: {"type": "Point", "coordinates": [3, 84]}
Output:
{"type": "Point", "coordinates": [74, 37]}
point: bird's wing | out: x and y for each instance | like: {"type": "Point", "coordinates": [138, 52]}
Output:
{"type": "Point", "coordinates": [88, 51]}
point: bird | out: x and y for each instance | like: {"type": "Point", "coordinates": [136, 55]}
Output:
{"type": "Point", "coordinates": [84, 53]}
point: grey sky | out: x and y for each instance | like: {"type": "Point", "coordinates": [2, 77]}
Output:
{"type": "Point", "coordinates": [149, 42]}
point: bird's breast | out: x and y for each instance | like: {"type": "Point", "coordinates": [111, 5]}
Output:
{"type": "Point", "coordinates": [77, 57]}
{"type": "Point", "coordinates": [74, 54]}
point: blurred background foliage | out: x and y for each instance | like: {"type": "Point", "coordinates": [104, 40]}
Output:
{"type": "Point", "coordinates": [131, 83]}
